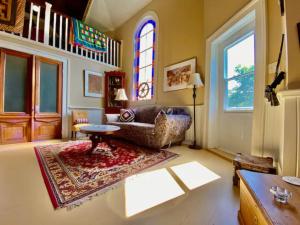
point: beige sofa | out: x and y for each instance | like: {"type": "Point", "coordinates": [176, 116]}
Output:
{"type": "Point", "coordinates": [154, 126]}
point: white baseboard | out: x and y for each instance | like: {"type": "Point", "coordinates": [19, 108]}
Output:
{"type": "Point", "coordinates": [223, 153]}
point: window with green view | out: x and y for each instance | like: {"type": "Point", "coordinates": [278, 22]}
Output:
{"type": "Point", "coordinates": [239, 73]}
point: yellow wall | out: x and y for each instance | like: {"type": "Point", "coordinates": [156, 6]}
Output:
{"type": "Point", "coordinates": [183, 29]}
{"type": "Point", "coordinates": [76, 74]}
{"type": "Point", "coordinates": [77, 98]}
{"type": "Point", "coordinates": [293, 46]}
{"type": "Point", "coordinates": [217, 12]}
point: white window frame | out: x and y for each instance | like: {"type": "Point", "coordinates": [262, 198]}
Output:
{"type": "Point", "coordinates": [226, 80]}
{"type": "Point", "coordinates": [211, 99]}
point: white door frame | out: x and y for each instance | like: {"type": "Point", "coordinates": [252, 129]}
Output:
{"type": "Point", "coordinates": [258, 7]}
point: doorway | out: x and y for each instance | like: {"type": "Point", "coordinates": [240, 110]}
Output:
{"type": "Point", "coordinates": [30, 98]}
{"type": "Point", "coordinates": [236, 90]}
{"type": "Point", "coordinates": [235, 80]}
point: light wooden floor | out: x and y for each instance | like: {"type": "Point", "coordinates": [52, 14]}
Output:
{"type": "Point", "coordinates": [24, 199]}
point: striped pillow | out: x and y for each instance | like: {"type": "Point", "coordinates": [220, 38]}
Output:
{"type": "Point", "coordinates": [127, 115]}
{"type": "Point", "coordinates": [81, 120]}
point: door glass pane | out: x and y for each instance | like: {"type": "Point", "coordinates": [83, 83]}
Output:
{"type": "Point", "coordinates": [48, 87]}
{"type": "Point", "coordinates": [15, 84]}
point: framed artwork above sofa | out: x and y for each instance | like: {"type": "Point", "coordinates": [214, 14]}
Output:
{"type": "Point", "coordinates": [176, 76]}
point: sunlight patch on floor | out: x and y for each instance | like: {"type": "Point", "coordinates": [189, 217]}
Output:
{"type": "Point", "coordinates": [146, 190]}
{"type": "Point", "coordinates": [194, 175]}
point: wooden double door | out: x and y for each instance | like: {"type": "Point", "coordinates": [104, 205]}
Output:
{"type": "Point", "coordinates": [30, 97]}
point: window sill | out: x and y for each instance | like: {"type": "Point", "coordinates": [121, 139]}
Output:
{"type": "Point", "coordinates": [237, 110]}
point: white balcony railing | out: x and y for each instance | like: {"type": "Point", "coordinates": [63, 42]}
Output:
{"type": "Point", "coordinates": [51, 28]}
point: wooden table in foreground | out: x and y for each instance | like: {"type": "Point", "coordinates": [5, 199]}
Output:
{"type": "Point", "coordinates": [257, 205]}
{"type": "Point", "coordinates": [98, 134]}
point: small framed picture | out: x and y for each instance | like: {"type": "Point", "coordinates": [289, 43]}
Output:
{"type": "Point", "coordinates": [177, 76]}
{"type": "Point", "coordinates": [93, 84]}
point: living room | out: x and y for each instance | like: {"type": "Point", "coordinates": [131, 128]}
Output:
{"type": "Point", "coordinates": [157, 112]}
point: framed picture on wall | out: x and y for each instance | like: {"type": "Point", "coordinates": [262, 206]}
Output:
{"type": "Point", "coordinates": [176, 76]}
{"type": "Point", "coordinates": [93, 84]}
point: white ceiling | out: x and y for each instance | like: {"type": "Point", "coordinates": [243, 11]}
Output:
{"type": "Point", "coordinates": [107, 15]}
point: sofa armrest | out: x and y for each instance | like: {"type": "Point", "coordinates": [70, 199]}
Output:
{"type": "Point", "coordinates": [109, 118]}
{"type": "Point", "coordinates": [171, 128]}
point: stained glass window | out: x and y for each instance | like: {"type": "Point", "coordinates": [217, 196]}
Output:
{"type": "Point", "coordinates": [144, 60]}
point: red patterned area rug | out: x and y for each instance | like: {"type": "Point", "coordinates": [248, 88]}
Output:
{"type": "Point", "coordinates": [72, 176]}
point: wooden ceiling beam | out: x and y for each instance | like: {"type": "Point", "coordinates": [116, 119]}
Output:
{"type": "Point", "coordinates": [87, 9]}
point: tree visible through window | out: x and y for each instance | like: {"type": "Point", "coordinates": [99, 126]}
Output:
{"type": "Point", "coordinates": [239, 74]}
{"type": "Point", "coordinates": [144, 61]}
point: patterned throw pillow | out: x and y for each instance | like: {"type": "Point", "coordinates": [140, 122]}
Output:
{"type": "Point", "coordinates": [127, 115]}
{"type": "Point", "coordinates": [81, 120]}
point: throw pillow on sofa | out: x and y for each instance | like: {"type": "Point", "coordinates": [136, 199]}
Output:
{"type": "Point", "coordinates": [146, 114]}
{"type": "Point", "coordinates": [127, 115]}
{"type": "Point", "coordinates": [81, 120]}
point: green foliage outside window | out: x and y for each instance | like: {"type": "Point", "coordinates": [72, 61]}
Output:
{"type": "Point", "coordinates": [241, 88]}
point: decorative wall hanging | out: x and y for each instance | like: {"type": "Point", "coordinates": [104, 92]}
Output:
{"type": "Point", "coordinates": [143, 90]}
{"type": "Point", "coordinates": [176, 76]}
{"type": "Point", "coordinates": [87, 37]}
{"type": "Point", "coordinates": [93, 84]}
{"type": "Point", "coordinates": [12, 14]}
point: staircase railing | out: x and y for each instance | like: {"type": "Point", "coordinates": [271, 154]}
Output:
{"type": "Point", "coordinates": [45, 26]}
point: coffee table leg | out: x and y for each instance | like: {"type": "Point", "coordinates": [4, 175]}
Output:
{"type": "Point", "coordinates": [108, 142]}
{"type": "Point", "coordinates": [95, 141]}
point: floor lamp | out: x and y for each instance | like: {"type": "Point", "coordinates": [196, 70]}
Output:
{"type": "Point", "coordinates": [195, 82]}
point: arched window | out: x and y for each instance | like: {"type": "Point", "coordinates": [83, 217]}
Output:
{"type": "Point", "coordinates": [144, 61]}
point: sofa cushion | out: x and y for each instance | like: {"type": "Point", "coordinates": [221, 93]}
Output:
{"type": "Point", "coordinates": [135, 129]}
{"type": "Point", "coordinates": [127, 115]}
{"type": "Point", "coordinates": [133, 125]}
{"type": "Point", "coordinates": [146, 114]}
